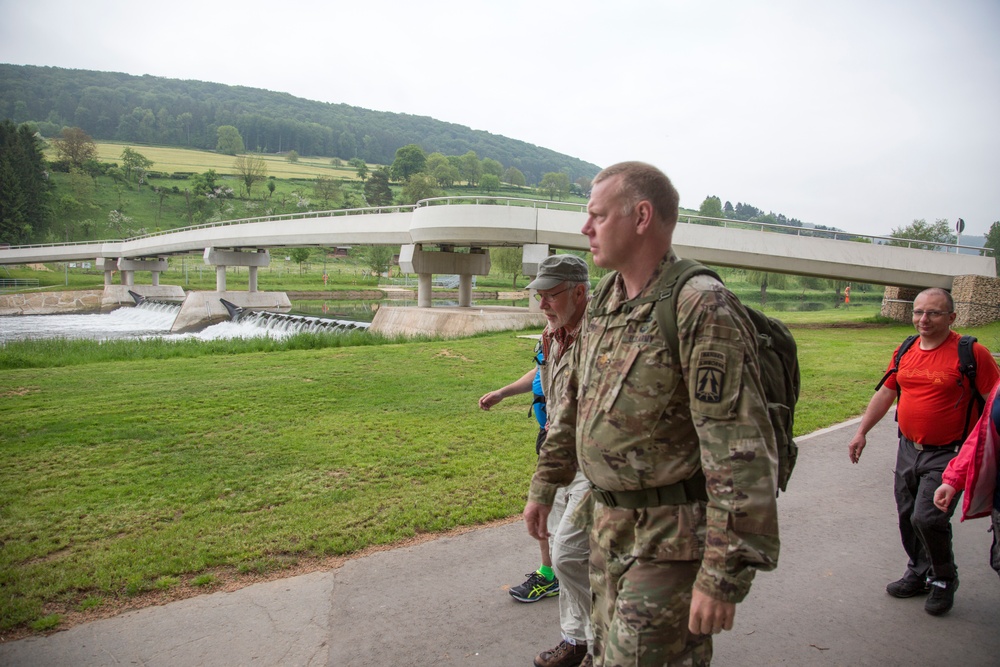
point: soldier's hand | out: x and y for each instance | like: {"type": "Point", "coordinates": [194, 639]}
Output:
{"type": "Point", "coordinates": [857, 445]}
{"type": "Point", "coordinates": [710, 616]}
{"type": "Point", "coordinates": [536, 519]}
{"type": "Point", "coordinates": [943, 497]}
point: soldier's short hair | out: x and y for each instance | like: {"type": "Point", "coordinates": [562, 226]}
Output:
{"type": "Point", "coordinates": [640, 181]}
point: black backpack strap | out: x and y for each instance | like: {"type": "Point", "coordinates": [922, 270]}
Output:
{"type": "Point", "coordinates": [903, 347]}
{"type": "Point", "coordinates": [967, 367]}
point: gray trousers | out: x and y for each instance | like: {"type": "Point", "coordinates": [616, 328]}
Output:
{"type": "Point", "coordinates": [570, 550]}
{"type": "Point", "coordinates": [924, 529]}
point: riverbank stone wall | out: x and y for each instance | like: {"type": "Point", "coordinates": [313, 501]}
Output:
{"type": "Point", "coordinates": [51, 303]}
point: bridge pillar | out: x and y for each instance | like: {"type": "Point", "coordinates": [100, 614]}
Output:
{"type": "Point", "coordinates": [977, 300]}
{"type": "Point", "coordinates": [532, 255]}
{"type": "Point", "coordinates": [226, 258]}
{"type": "Point", "coordinates": [897, 302]}
{"type": "Point", "coordinates": [414, 259]}
{"type": "Point", "coordinates": [128, 267]}
{"type": "Point", "coordinates": [109, 266]}
{"type": "Point", "coordinates": [424, 290]}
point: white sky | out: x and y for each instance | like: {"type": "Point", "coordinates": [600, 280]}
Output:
{"type": "Point", "coordinates": [858, 114]}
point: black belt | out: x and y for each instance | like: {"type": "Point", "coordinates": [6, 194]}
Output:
{"type": "Point", "coordinates": [950, 447]}
{"type": "Point", "coordinates": [678, 493]}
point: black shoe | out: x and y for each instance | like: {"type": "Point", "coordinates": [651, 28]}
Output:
{"type": "Point", "coordinates": [535, 588]}
{"type": "Point", "coordinates": [942, 597]}
{"type": "Point", "coordinates": [907, 588]}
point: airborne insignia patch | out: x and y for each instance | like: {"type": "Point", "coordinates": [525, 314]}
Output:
{"type": "Point", "coordinates": [710, 375]}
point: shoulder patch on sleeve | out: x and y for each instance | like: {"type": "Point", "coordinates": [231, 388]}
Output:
{"type": "Point", "coordinates": [710, 376]}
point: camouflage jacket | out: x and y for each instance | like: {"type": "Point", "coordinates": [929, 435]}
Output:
{"type": "Point", "coordinates": [635, 415]}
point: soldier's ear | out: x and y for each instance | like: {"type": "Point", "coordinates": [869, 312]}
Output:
{"type": "Point", "coordinates": [643, 216]}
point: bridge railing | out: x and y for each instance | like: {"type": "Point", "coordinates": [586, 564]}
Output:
{"type": "Point", "coordinates": [485, 200]}
{"type": "Point", "coordinates": [831, 234]}
{"type": "Point", "coordinates": [284, 216]}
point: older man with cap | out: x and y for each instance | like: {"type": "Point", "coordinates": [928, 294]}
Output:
{"type": "Point", "coordinates": [562, 286]}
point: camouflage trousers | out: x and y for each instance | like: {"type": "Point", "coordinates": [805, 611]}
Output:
{"type": "Point", "coordinates": [641, 604]}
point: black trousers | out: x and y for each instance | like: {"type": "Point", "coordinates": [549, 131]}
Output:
{"type": "Point", "coordinates": [924, 529]}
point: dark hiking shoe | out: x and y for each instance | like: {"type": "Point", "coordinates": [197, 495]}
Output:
{"type": "Point", "coordinates": [942, 597]}
{"type": "Point", "coordinates": [535, 588]}
{"type": "Point", "coordinates": [564, 655]}
{"type": "Point", "coordinates": [907, 588]}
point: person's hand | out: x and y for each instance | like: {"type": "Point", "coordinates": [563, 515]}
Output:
{"type": "Point", "coordinates": [857, 445]}
{"type": "Point", "coordinates": [489, 400]}
{"type": "Point", "coordinates": [943, 497]}
{"type": "Point", "coordinates": [710, 616]}
{"type": "Point", "coordinates": [536, 519]}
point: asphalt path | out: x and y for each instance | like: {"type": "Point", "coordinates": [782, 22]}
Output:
{"type": "Point", "coordinates": [445, 602]}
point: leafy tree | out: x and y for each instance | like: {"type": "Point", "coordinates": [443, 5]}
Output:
{"type": "Point", "coordinates": [360, 168]}
{"type": "Point", "coordinates": [251, 169]}
{"type": "Point", "coordinates": [584, 184]}
{"type": "Point", "coordinates": [711, 207]}
{"type": "Point", "coordinates": [378, 258]}
{"type": "Point", "coordinates": [293, 156]}
{"type": "Point", "coordinates": [377, 190]}
{"type": "Point", "coordinates": [993, 241]}
{"type": "Point", "coordinates": [491, 166]}
{"type": "Point", "coordinates": [135, 161]}
{"type": "Point", "coordinates": [419, 186]}
{"type": "Point", "coordinates": [514, 177]}
{"type": "Point", "coordinates": [728, 209]}
{"type": "Point", "coordinates": [326, 189]}
{"type": "Point", "coordinates": [230, 142]}
{"type": "Point", "coordinates": [442, 169]}
{"type": "Point", "coordinates": [75, 146]}
{"type": "Point", "coordinates": [555, 184]}
{"type": "Point", "coordinates": [410, 159]}
{"type": "Point", "coordinates": [470, 168]}
{"type": "Point", "coordinates": [507, 260]}
{"type": "Point", "coordinates": [300, 256]}
{"type": "Point", "coordinates": [489, 183]}
{"type": "Point", "coordinates": [920, 230]}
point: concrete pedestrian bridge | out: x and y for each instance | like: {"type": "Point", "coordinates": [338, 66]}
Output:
{"type": "Point", "coordinates": [429, 233]}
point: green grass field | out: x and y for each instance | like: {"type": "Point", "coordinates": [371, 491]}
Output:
{"type": "Point", "coordinates": [139, 471]}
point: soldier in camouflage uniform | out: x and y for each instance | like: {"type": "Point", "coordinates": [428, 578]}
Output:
{"type": "Point", "coordinates": [677, 446]}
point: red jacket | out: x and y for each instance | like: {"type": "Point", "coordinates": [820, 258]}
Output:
{"type": "Point", "coordinates": [975, 467]}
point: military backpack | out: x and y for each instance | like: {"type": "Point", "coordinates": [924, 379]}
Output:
{"type": "Point", "coordinates": [777, 353]}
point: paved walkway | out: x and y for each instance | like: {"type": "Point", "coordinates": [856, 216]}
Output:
{"type": "Point", "coordinates": [444, 602]}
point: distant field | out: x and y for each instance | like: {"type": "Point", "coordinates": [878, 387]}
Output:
{"type": "Point", "coordinates": [169, 160]}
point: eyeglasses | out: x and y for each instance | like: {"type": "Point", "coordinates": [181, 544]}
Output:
{"type": "Point", "coordinates": [917, 314]}
{"type": "Point", "coordinates": [549, 297]}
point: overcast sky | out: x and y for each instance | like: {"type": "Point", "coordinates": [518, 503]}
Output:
{"type": "Point", "coordinates": [858, 114]}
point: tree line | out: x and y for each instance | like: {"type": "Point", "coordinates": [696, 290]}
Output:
{"type": "Point", "coordinates": [154, 110]}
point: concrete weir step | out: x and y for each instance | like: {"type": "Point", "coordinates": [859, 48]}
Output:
{"type": "Point", "coordinates": [452, 322]}
{"type": "Point", "coordinates": [202, 309]}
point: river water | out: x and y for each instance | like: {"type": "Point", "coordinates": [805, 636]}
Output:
{"type": "Point", "coordinates": [147, 320]}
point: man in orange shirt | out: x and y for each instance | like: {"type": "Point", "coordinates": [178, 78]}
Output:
{"type": "Point", "coordinates": [934, 418]}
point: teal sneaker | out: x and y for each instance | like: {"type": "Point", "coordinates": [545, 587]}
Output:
{"type": "Point", "coordinates": [535, 588]}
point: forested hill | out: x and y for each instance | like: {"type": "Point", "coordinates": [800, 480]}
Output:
{"type": "Point", "coordinates": [154, 110]}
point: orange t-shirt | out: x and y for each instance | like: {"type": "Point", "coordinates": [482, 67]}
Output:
{"type": "Point", "coordinates": [935, 395]}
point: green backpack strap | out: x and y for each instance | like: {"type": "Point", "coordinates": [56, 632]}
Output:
{"type": "Point", "coordinates": [666, 296]}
